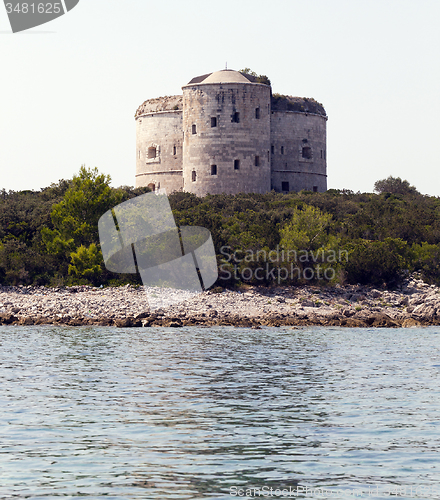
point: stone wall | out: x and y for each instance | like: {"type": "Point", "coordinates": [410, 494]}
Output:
{"type": "Point", "coordinates": [167, 103]}
{"type": "Point", "coordinates": [229, 138]}
{"type": "Point", "coordinates": [226, 145]}
{"type": "Point", "coordinates": [159, 147]}
{"type": "Point", "coordinates": [298, 151]}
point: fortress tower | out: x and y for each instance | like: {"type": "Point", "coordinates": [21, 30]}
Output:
{"type": "Point", "coordinates": [229, 134]}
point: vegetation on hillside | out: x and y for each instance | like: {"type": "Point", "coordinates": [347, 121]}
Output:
{"type": "Point", "coordinates": [50, 237]}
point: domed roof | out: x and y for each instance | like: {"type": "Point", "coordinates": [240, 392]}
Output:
{"type": "Point", "coordinates": [223, 76]}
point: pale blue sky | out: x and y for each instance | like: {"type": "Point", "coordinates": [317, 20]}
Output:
{"type": "Point", "coordinates": [70, 88]}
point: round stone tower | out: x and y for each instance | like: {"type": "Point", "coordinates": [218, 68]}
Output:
{"type": "Point", "coordinates": [229, 134]}
{"type": "Point", "coordinates": [298, 144]}
{"type": "Point", "coordinates": [226, 134]}
{"type": "Point", "coordinates": [159, 144]}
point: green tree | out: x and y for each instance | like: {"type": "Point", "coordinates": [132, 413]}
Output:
{"type": "Point", "coordinates": [259, 78]}
{"type": "Point", "coordinates": [307, 236]}
{"type": "Point", "coordinates": [75, 218]}
{"type": "Point", "coordinates": [394, 185]}
{"type": "Point", "coordinates": [307, 229]}
{"type": "Point", "coordinates": [86, 263]}
{"type": "Point", "coordinates": [75, 221]}
{"type": "Point", "coordinates": [377, 262]}
{"type": "Point", "coordinates": [426, 260]}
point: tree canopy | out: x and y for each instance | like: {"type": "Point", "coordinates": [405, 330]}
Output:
{"type": "Point", "coordinates": [259, 78]}
{"type": "Point", "coordinates": [394, 185]}
{"type": "Point", "coordinates": [50, 237]}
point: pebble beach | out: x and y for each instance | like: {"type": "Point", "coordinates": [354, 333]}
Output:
{"type": "Point", "coordinates": [415, 303]}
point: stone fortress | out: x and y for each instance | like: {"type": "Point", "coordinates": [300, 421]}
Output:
{"type": "Point", "coordinates": [227, 133]}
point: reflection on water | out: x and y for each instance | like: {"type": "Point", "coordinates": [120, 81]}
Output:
{"type": "Point", "coordinates": [190, 413]}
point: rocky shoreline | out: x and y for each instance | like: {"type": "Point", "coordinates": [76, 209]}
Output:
{"type": "Point", "coordinates": [413, 304]}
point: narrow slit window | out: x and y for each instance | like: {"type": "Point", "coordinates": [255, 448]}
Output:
{"type": "Point", "coordinates": [285, 186]}
{"type": "Point", "coordinates": [194, 129]}
{"type": "Point", "coordinates": [236, 164]}
{"type": "Point", "coordinates": [213, 169]}
{"type": "Point", "coordinates": [174, 150]}
{"type": "Point", "coordinates": [282, 150]}
{"type": "Point", "coordinates": [257, 161]}
{"type": "Point", "coordinates": [257, 113]}
{"type": "Point", "coordinates": [139, 154]}
{"type": "Point", "coordinates": [213, 121]}
{"type": "Point", "coordinates": [272, 149]}
{"type": "Point", "coordinates": [193, 176]}
{"type": "Point", "coordinates": [268, 155]}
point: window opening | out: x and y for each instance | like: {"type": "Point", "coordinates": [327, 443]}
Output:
{"type": "Point", "coordinates": [285, 186]}
{"type": "Point", "coordinates": [257, 161]}
{"type": "Point", "coordinates": [194, 129]}
{"type": "Point", "coordinates": [152, 152]}
{"type": "Point", "coordinates": [257, 113]}
{"type": "Point", "coordinates": [315, 189]}
{"type": "Point", "coordinates": [236, 164]}
{"type": "Point", "coordinates": [174, 150]}
{"type": "Point", "coordinates": [236, 117]}
{"type": "Point", "coordinates": [213, 169]}
{"type": "Point", "coordinates": [282, 150]}
{"type": "Point", "coordinates": [193, 176]}
{"type": "Point", "coordinates": [213, 121]}
{"type": "Point", "coordinates": [307, 152]}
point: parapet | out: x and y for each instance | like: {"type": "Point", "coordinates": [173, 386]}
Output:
{"type": "Point", "coordinates": [160, 104]}
{"type": "Point", "coordinates": [281, 102]}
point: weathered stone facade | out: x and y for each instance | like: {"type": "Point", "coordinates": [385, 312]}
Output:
{"type": "Point", "coordinates": [228, 134]}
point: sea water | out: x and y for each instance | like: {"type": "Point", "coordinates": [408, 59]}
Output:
{"type": "Point", "coordinates": [219, 412]}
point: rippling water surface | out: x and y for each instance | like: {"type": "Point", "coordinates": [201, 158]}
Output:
{"type": "Point", "coordinates": [159, 413]}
